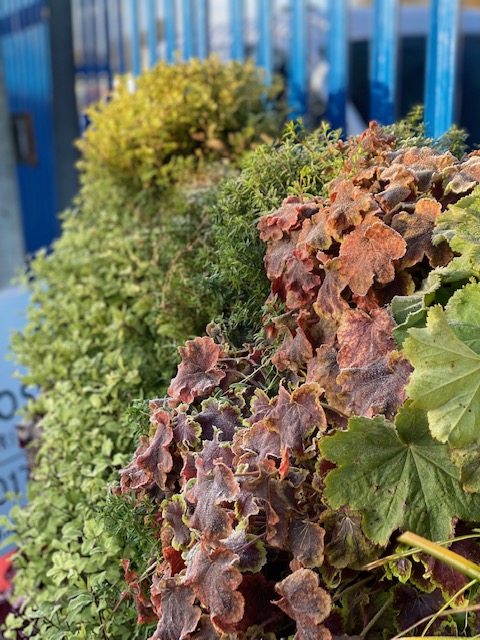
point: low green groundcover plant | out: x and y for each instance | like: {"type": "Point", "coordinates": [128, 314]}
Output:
{"type": "Point", "coordinates": [273, 478]}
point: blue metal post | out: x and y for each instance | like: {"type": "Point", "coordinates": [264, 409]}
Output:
{"type": "Point", "coordinates": [108, 58]}
{"type": "Point", "coordinates": [121, 48]}
{"type": "Point", "coordinates": [383, 61]}
{"type": "Point", "coordinates": [152, 32]}
{"type": "Point", "coordinates": [298, 55]}
{"type": "Point", "coordinates": [188, 46]}
{"type": "Point", "coordinates": [264, 49]}
{"type": "Point", "coordinates": [135, 38]}
{"type": "Point", "coordinates": [170, 30]}
{"type": "Point", "coordinates": [441, 66]}
{"type": "Point", "coordinates": [201, 18]}
{"type": "Point", "coordinates": [236, 22]}
{"type": "Point", "coordinates": [337, 63]}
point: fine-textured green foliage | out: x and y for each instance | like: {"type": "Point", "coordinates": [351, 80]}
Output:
{"type": "Point", "coordinates": [176, 117]}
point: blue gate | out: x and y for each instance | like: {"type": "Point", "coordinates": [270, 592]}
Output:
{"type": "Point", "coordinates": [24, 37]}
{"type": "Point", "coordinates": [309, 41]}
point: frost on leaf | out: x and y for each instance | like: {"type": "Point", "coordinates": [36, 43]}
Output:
{"type": "Point", "coordinates": [221, 415]}
{"type": "Point", "coordinates": [446, 360]}
{"type": "Point", "coordinates": [378, 388]}
{"type": "Point", "coordinates": [295, 351]}
{"type": "Point", "coordinates": [306, 603]}
{"type": "Point", "coordinates": [368, 252]}
{"type": "Point", "coordinates": [208, 494]}
{"type": "Point", "coordinates": [397, 476]}
{"type": "Point", "coordinates": [215, 578]}
{"type": "Point", "coordinates": [299, 283]}
{"type": "Point", "coordinates": [348, 546]}
{"type": "Point", "coordinates": [348, 206]}
{"type": "Point", "coordinates": [296, 415]}
{"type": "Point", "coordinates": [277, 255]}
{"type": "Point", "coordinates": [177, 614]}
{"type": "Point", "coordinates": [271, 227]}
{"type": "Point", "coordinates": [156, 460]}
{"type": "Point", "coordinates": [197, 373]}
{"type": "Point", "coordinates": [464, 177]}
{"type": "Point", "coordinates": [313, 236]}
{"type": "Point", "coordinates": [417, 229]}
{"type": "Point", "coordinates": [364, 338]}
{"type": "Point", "coordinates": [173, 512]}
{"type": "Point", "coordinates": [255, 444]}
{"type": "Point", "coordinates": [305, 540]}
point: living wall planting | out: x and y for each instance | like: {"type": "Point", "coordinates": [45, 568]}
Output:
{"type": "Point", "coordinates": [108, 306]}
{"type": "Point", "coordinates": [275, 476]}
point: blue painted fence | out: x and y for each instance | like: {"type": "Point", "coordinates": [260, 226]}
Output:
{"type": "Point", "coordinates": [136, 33]}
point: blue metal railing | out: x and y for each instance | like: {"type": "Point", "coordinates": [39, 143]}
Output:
{"type": "Point", "coordinates": [186, 26]}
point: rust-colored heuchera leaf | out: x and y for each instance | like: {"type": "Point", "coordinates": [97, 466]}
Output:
{"type": "Point", "coordinates": [156, 460]}
{"type": "Point", "coordinates": [296, 415]}
{"type": "Point", "coordinates": [305, 539]}
{"type": "Point", "coordinates": [145, 612]}
{"type": "Point", "coordinates": [216, 450]}
{"type": "Point", "coordinates": [209, 492]}
{"type": "Point", "coordinates": [425, 163]}
{"type": "Point", "coordinates": [295, 351]}
{"type": "Point", "coordinates": [174, 606]}
{"type": "Point", "coordinates": [306, 603]}
{"type": "Point", "coordinates": [364, 338]}
{"type": "Point", "coordinates": [261, 405]}
{"type": "Point", "coordinates": [173, 512]}
{"type": "Point", "coordinates": [299, 282]}
{"type": "Point", "coordinates": [215, 579]}
{"type": "Point", "coordinates": [330, 305]}
{"type": "Point", "coordinates": [277, 255]}
{"type": "Point", "coordinates": [133, 477]}
{"type": "Point", "coordinates": [416, 229]}
{"type": "Point", "coordinates": [314, 236]}
{"type": "Point", "coordinates": [197, 373]}
{"type": "Point", "coordinates": [221, 415]}
{"type": "Point", "coordinates": [206, 630]}
{"type": "Point", "coordinates": [255, 444]}
{"type": "Point", "coordinates": [464, 177]}
{"type": "Point", "coordinates": [348, 206]}
{"type": "Point", "coordinates": [378, 388]}
{"type": "Point", "coordinates": [271, 227]}
{"type": "Point", "coordinates": [368, 253]}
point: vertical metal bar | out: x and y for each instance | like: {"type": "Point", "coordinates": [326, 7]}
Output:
{"type": "Point", "coordinates": [201, 17]}
{"type": "Point", "coordinates": [93, 30]}
{"type": "Point", "coordinates": [121, 47]}
{"type": "Point", "coordinates": [264, 48]}
{"type": "Point", "coordinates": [152, 32]}
{"type": "Point", "coordinates": [383, 61]}
{"type": "Point", "coordinates": [108, 56]}
{"type": "Point", "coordinates": [187, 20]}
{"type": "Point", "coordinates": [337, 53]}
{"type": "Point", "coordinates": [135, 38]}
{"type": "Point", "coordinates": [441, 66]}
{"type": "Point", "coordinates": [170, 30]}
{"type": "Point", "coordinates": [298, 54]}
{"type": "Point", "coordinates": [236, 25]}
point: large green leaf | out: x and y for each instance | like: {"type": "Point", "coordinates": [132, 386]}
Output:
{"type": "Point", "coordinates": [397, 476]}
{"type": "Point", "coordinates": [446, 359]}
{"type": "Point", "coordinates": [460, 227]}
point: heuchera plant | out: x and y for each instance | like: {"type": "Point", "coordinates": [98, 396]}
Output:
{"type": "Point", "coordinates": [277, 475]}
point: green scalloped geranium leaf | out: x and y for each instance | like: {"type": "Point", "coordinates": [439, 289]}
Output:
{"type": "Point", "coordinates": [446, 360]}
{"type": "Point", "coordinates": [459, 225]}
{"type": "Point", "coordinates": [398, 476]}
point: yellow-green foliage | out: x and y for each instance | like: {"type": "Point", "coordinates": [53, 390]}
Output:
{"type": "Point", "coordinates": [177, 116]}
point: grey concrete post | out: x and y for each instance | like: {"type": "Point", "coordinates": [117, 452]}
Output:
{"type": "Point", "coordinates": [11, 231]}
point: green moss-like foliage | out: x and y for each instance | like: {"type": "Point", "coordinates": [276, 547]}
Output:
{"type": "Point", "coordinates": [177, 117]}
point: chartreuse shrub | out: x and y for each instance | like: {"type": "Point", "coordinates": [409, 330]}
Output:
{"type": "Point", "coordinates": [276, 476]}
{"type": "Point", "coordinates": [177, 117]}
{"type": "Point", "coordinates": [108, 305]}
